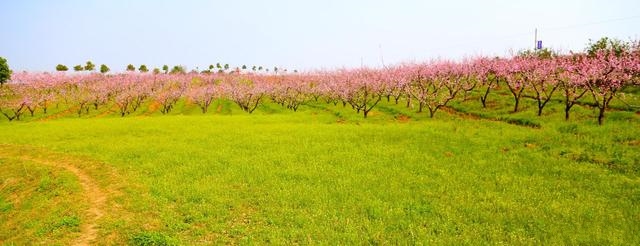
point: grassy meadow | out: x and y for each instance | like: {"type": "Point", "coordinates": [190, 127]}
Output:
{"type": "Point", "coordinates": [325, 175]}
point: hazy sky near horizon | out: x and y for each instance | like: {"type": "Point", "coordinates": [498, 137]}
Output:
{"type": "Point", "coordinates": [38, 34]}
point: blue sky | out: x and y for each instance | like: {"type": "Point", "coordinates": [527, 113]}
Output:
{"type": "Point", "coordinates": [38, 34]}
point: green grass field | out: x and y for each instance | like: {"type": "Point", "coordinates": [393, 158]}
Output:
{"type": "Point", "coordinates": [324, 175]}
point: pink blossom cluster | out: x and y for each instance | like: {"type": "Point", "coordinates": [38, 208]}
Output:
{"type": "Point", "coordinates": [429, 85]}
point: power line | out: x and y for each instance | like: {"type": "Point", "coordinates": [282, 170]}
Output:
{"type": "Point", "coordinates": [522, 34]}
{"type": "Point", "coordinates": [591, 23]}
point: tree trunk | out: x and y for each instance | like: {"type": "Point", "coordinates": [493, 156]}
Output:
{"type": "Point", "coordinates": [539, 111]}
{"type": "Point", "coordinates": [483, 99]}
{"type": "Point", "coordinates": [600, 115]}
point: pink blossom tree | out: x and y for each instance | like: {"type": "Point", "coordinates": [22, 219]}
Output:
{"type": "Point", "coordinates": [544, 80]}
{"type": "Point", "coordinates": [363, 88]}
{"type": "Point", "coordinates": [170, 92]}
{"type": "Point", "coordinates": [12, 101]}
{"type": "Point", "coordinates": [288, 91]}
{"type": "Point", "coordinates": [571, 84]}
{"type": "Point", "coordinates": [82, 98]}
{"type": "Point", "coordinates": [486, 72]}
{"type": "Point", "coordinates": [434, 85]}
{"type": "Point", "coordinates": [41, 88]}
{"type": "Point", "coordinates": [603, 74]}
{"type": "Point", "coordinates": [397, 80]}
{"type": "Point", "coordinates": [517, 74]}
{"type": "Point", "coordinates": [203, 90]}
{"type": "Point", "coordinates": [469, 71]}
{"type": "Point", "coordinates": [245, 90]}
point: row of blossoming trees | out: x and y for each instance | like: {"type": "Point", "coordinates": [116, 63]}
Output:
{"type": "Point", "coordinates": [429, 86]}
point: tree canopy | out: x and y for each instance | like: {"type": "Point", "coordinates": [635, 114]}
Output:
{"type": "Point", "coordinates": [5, 72]}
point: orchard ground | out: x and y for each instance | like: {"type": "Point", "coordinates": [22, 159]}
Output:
{"type": "Point", "coordinates": [324, 175]}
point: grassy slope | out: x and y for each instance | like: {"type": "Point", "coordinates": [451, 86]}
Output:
{"type": "Point", "coordinates": [323, 174]}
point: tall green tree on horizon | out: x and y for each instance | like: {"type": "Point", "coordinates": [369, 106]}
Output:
{"type": "Point", "coordinates": [61, 68]}
{"type": "Point", "coordinates": [89, 66]}
{"type": "Point", "coordinates": [5, 72]}
{"type": "Point", "coordinates": [178, 69]}
{"type": "Point", "coordinates": [131, 68]}
{"type": "Point", "coordinates": [143, 68]}
{"type": "Point", "coordinates": [104, 69]}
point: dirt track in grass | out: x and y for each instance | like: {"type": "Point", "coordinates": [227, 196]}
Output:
{"type": "Point", "coordinates": [93, 193]}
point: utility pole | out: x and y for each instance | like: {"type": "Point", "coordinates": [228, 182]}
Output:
{"type": "Point", "coordinates": [381, 57]}
{"type": "Point", "coordinates": [535, 37]}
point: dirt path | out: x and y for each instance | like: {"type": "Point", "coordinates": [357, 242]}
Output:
{"type": "Point", "coordinates": [153, 107]}
{"type": "Point", "coordinates": [66, 112]}
{"type": "Point", "coordinates": [474, 116]}
{"type": "Point", "coordinates": [111, 110]}
{"type": "Point", "coordinates": [95, 196]}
